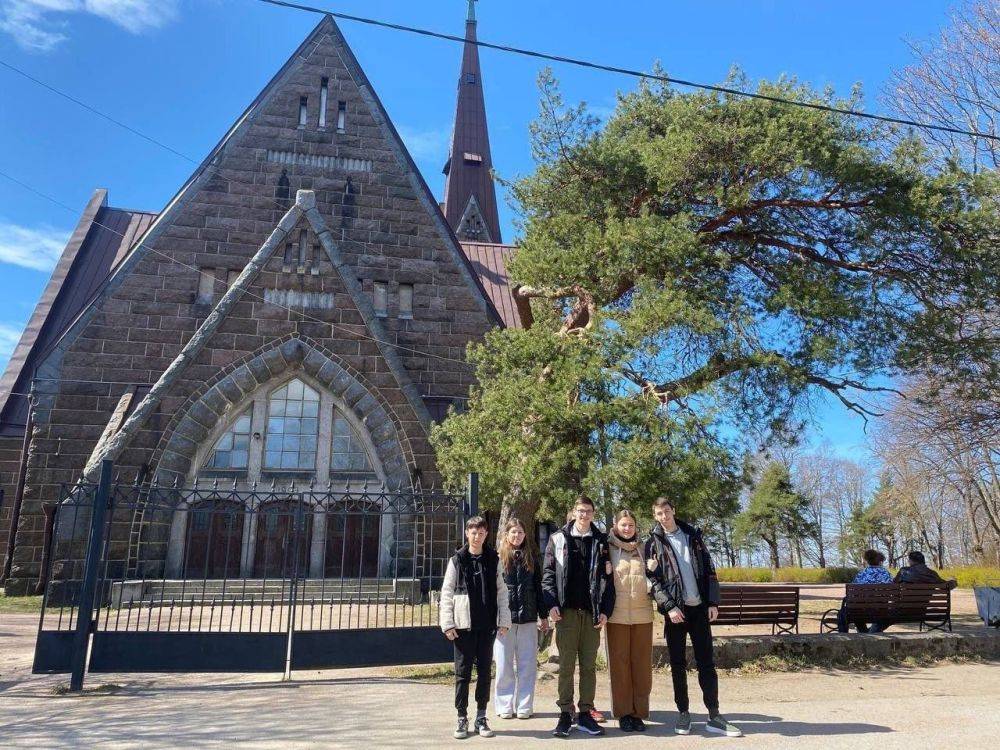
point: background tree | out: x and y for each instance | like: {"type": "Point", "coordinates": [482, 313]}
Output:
{"type": "Point", "coordinates": [775, 512]}
{"type": "Point", "coordinates": [696, 270]}
{"type": "Point", "coordinates": [954, 80]}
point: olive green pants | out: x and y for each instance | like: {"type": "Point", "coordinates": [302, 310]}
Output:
{"type": "Point", "coordinates": [577, 639]}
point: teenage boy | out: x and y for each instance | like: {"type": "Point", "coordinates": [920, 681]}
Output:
{"type": "Point", "coordinates": [474, 606]}
{"type": "Point", "coordinates": [579, 594]}
{"type": "Point", "coordinates": [686, 591]}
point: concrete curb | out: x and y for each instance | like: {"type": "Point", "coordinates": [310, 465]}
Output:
{"type": "Point", "coordinates": [732, 651]}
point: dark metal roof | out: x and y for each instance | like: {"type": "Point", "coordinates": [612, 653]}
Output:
{"type": "Point", "coordinates": [470, 162]}
{"type": "Point", "coordinates": [102, 238]}
{"type": "Point", "coordinates": [490, 262]}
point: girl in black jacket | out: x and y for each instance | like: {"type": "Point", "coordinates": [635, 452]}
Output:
{"type": "Point", "coordinates": [515, 653]}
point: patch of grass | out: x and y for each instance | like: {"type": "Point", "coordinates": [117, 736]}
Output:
{"type": "Point", "coordinates": [11, 605]}
{"type": "Point", "coordinates": [434, 674]}
{"type": "Point", "coordinates": [853, 663]}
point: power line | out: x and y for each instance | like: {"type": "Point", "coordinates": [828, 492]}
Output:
{"type": "Point", "coordinates": [629, 71]}
{"type": "Point", "coordinates": [95, 111]}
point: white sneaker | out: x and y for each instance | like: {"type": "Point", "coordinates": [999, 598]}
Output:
{"type": "Point", "coordinates": [506, 715]}
{"type": "Point", "coordinates": [524, 714]}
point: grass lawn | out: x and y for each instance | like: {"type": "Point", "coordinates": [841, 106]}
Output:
{"type": "Point", "coordinates": [10, 605]}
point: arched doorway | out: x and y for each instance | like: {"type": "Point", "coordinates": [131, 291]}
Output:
{"type": "Point", "coordinates": [214, 540]}
{"type": "Point", "coordinates": [353, 539]}
{"type": "Point", "coordinates": [277, 543]}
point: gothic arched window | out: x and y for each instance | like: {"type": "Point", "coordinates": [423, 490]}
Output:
{"type": "Point", "coordinates": [292, 428]}
{"type": "Point", "coordinates": [232, 449]}
{"type": "Point", "coordinates": [349, 455]}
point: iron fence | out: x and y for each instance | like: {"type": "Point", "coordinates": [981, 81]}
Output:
{"type": "Point", "coordinates": [229, 561]}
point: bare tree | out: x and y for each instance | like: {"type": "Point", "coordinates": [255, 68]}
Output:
{"type": "Point", "coordinates": [946, 464]}
{"type": "Point", "coordinates": [954, 80]}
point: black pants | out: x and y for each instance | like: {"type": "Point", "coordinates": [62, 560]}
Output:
{"type": "Point", "coordinates": [696, 624]}
{"type": "Point", "coordinates": [844, 626]}
{"type": "Point", "coordinates": [473, 647]}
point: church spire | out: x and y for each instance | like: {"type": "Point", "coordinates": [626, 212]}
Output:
{"type": "Point", "coordinates": [470, 200]}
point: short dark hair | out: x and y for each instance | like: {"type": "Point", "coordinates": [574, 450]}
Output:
{"type": "Point", "coordinates": [663, 500]}
{"type": "Point", "coordinates": [873, 557]}
{"type": "Point", "coordinates": [584, 500]}
{"type": "Point", "coordinates": [917, 558]}
{"type": "Point", "coordinates": [476, 522]}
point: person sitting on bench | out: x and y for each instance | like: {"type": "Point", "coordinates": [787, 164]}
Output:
{"type": "Point", "coordinates": [874, 572]}
{"type": "Point", "coordinates": [916, 572]}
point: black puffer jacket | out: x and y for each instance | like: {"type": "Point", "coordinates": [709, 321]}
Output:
{"type": "Point", "coordinates": [665, 576]}
{"type": "Point", "coordinates": [524, 589]}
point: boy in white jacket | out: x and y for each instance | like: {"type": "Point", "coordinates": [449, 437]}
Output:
{"type": "Point", "coordinates": [473, 608]}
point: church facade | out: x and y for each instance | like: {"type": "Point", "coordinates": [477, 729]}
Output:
{"type": "Point", "coordinates": [298, 313]}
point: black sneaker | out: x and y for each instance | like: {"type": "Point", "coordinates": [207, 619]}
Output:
{"type": "Point", "coordinates": [638, 725]}
{"type": "Point", "coordinates": [483, 727]}
{"type": "Point", "coordinates": [564, 725]}
{"type": "Point", "coordinates": [626, 724]}
{"type": "Point", "coordinates": [683, 725]}
{"type": "Point", "coordinates": [719, 725]}
{"type": "Point", "coordinates": [585, 723]}
{"type": "Point", "coordinates": [462, 730]}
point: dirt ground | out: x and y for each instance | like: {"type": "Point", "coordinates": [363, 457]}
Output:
{"type": "Point", "coordinates": [946, 705]}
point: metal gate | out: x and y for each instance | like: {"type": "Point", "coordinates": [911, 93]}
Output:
{"type": "Point", "coordinates": [171, 579]}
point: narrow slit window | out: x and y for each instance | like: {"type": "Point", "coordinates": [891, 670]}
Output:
{"type": "Point", "coordinates": [324, 88]}
{"type": "Point", "coordinates": [302, 247]}
{"type": "Point", "coordinates": [380, 295]}
{"type": "Point", "coordinates": [303, 110]}
{"type": "Point", "coordinates": [231, 277]}
{"type": "Point", "coordinates": [406, 300]}
{"type": "Point", "coordinates": [206, 284]}
{"type": "Point", "coordinates": [341, 116]}
{"type": "Point", "coordinates": [289, 254]}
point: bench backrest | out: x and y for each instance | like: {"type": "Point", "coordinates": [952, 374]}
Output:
{"type": "Point", "coordinates": [758, 605]}
{"type": "Point", "coordinates": [902, 602]}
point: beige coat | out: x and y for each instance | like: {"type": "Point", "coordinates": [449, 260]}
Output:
{"type": "Point", "coordinates": [633, 605]}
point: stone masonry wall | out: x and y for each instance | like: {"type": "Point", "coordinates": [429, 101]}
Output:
{"type": "Point", "coordinates": [10, 456]}
{"type": "Point", "coordinates": [382, 221]}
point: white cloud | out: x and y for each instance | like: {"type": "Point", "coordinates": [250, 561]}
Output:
{"type": "Point", "coordinates": [36, 248]}
{"type": "Point", "coordinates": [426, 144]}
{"type": "Point", "coordinates": [38, 25]}
{"type": "Point", "coordinates": [9, 336]}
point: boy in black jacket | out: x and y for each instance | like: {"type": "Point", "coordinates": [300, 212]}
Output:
{"type": "Point", "coordinates": [580, 596]}
{"type": "Point", "coordinates": [686, 591]}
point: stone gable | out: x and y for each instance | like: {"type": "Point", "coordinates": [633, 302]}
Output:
{"type": "Point", "coordinates": [384, 223]}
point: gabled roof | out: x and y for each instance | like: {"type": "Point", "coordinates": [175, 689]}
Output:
{"type": "Point", "coordinates": [303, 210]}
{"type": "Point", "coordinates": [207, 168]}
{"type": "Point", "coordinates": [102, 238]}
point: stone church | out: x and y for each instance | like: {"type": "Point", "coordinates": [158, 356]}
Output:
{"type": "Point", "coordinates": [297, 312]}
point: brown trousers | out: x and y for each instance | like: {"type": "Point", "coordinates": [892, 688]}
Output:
{"type": "Point", "coordinates": [630, 658]}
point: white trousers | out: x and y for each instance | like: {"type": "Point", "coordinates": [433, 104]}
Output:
{"type": "Point", "coordinates": [517, 666]}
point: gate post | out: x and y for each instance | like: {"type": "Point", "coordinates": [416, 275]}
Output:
{"type": "Point", "coordinates": [85, 605]}
{"type": "Point", "coordinates": [473, 491]}
{"type": "Point", "coordinates": [298, 528]}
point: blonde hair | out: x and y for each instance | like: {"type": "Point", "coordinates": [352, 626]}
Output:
{"type": "Point", "coordinates": [506, 549]}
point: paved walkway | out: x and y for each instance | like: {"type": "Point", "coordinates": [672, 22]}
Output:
{"type": "Point", "coordinates": [943, 706]}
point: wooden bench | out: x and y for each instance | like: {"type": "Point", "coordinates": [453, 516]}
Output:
{"type": "Point", "coordinates": [777, 606]}
{"type": "Point", "coordinates": [928, 604]}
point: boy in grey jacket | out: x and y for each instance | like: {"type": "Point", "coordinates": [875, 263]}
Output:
{"type": "Point", "coordinates": [474, 606]}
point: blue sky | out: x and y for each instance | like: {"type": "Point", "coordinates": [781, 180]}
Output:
{"type": "Point", "coordinates": [182, 70]}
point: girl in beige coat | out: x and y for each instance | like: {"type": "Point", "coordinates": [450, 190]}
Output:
{"type": "Point", "coordinates": [630, 629]}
